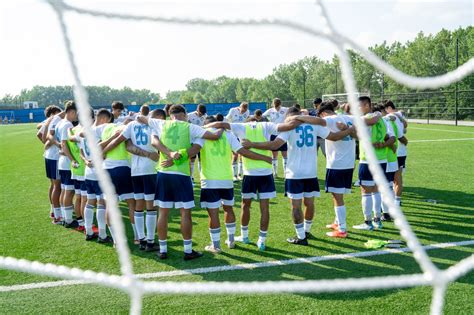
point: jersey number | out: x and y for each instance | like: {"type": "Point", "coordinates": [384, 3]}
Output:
{"type": "Point", "coordinates": [140, 135]}
{"type": "Point", "coordinates": [218, 148]}
{"type": "Point", "coordinates": [306, 136]}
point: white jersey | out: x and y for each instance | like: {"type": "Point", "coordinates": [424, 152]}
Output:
{"type": "Point", "coordinates": [303, 150]}
{"type": "Point", "coordinates": [90, 171]}
{"type": "Point", "coordinates": [52, 153]}
{"type": "Point", "coordinates": [340, 155]}
{"type": "Point", "coordinates": [276, 116]}
{"type": "Point", "coordinates": [195, 119]}
{"type": "Point", "coordinates": [140, 135]}
{"type": "Point", "coordinates": [402, 149]}
{"type": "Point", "coordinates": [61, 134]}
{"type": "Point", "coordinates": [234, 115]}
{"type": "Point", "coordinates": [120, 120]}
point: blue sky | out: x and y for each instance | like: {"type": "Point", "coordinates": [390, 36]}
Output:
{"type": "Point", "coordinates": [164, 57]}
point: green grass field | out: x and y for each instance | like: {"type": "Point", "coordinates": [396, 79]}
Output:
{"type": "Point", "coordinates": [439, 170]}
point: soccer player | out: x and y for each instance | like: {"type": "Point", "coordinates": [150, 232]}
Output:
{"type": "Point", "coordinates": [173, 186]}
{"type": "Point", "coordinates": [197, 118]}
{"type": "Point", "coordinates": [143, 178]}
{"type": "Point", "coordinates": [258, 180]}
{"type": "Point", "coordinates": [401, 151]}
{"type": "Point", "coordinates": [95, 198]}
{"type": "Point", "coordinates": [238, 115]}
{"type": "Point", "coordinates": [301, 176]}
{"type": "Point", "coordinates": [51, 156]}
{"type": "Point", "coordinates": [258, 115]}
{"type": "Point", "coordinates": [276, 114]}
{"type": "Point", "coordinates": [382, 138]}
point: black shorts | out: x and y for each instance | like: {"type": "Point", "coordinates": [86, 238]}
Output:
{"type": "Point", "coordinates": [67, 183]}
{"type": "Point", "coordinates": [302, 188]}
{"type": "Point", "coordinates": [258, 187]}
{"type": "Point", "coordinates": [144, 187]}
{"type": "Point", "coordinates": [402, 161]}
{"type": "Point", "coordinates": [365, 176]}
{"type": "Point", "coordinates": [339, 181]}
{"type": "Point", "coordinates": [93, 189]}
{"type": "Point", "coordinates": [173, 190]}
{"type": "Point", "coordinates": [51, 169]}
{"type": "Point", "coordinates": [122, 179]}
{"type": "Point", "coordinates": [213, 198]}
{"type": "Point", "coordinates": [283, 148]}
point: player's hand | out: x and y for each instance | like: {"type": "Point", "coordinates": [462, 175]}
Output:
{"type": "Point", "coordinates": [167, 163]}
{"type": "Point", "coordinates": [246, 143]}
{"type": "Point", "coordinates": [341, 126]}
{"type": "Point", "coordinates": [89, 163]}
{"type": "Point", "coordinates": [290, 119]}
{"type": "Point", "coordinates": [394, 148]}
{"type": "Point", "coordinates": [155, 156]}
{"type": "Point", "coordinates": [175, 155]}
{"type": "Point", "coordinates": [75, 164]}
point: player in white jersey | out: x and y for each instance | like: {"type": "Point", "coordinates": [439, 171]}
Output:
{"type": "Point", "coordinates": [143, 171]}
{"type": "Point", "coordinates": [401, 151]}
{"type": "Point", "coordinates": [276, 114]}
{"type": "Point", "coordinates": [301, 175]}
{"type": "Point", "coordinates": [51, 155]}
{"type": "Point", "coordinates": [238, 115]}
{"type": "Point", "coordinates": [197, 118]}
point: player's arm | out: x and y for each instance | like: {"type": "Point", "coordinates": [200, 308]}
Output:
{"type": "Point", "coordinates": [72, 137]}
{"type": "Point", "coordinates": [336, 136]}
{"type": "Point", "coordinates": [209, 135]}
{"type": "Point", "coordinates": [218, 125]}
{"type": "Point", "coordinates": [105, 143]}
{"type": "Point", "coordinates": [288, 125]}
{"type": "Point", "coordinates": [113, 144]}
{"type": "Point", "coordinates": [39, 135]}
{"type": "Point", "coordinates": [143, 119]}
{"type": "Point", "coordinates": [65, 150]}
{"type": "Point", "coordinates": [372, 119]}
{"type": "Point", "coordinates": [312, 120]}
{"type": "Point", "coordinates": [254, 156]}
{"type": "Point", "coordinates": [403, 140]}
{"type": "Point", "coordinates": [268, 145]}
{"type": "Point", "coordinates": [133, 149]}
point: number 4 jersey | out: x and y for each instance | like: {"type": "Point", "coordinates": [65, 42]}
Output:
{"type": "Point", "coordinates": [141, 136]}
{"type": "Point", "coordinates": [302, 150]}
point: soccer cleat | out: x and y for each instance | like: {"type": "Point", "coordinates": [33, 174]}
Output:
{"type": "Point", "coordinates": [58, 221]}
{"type": "Point", "coordinates": [242, 239]}
{"type": "Point", "coordinates": [230, 244]}
{"type": "Point", "coordinates": [162, 255]}
{"type": "Point", "coordinates": [136, 242]}
{"type": "Point", "coordinates": [378, 224]}
{"type": "Point", "coordinates": [51, 215]}
{"type": "Point", "coordinates": [386, 217]}
{"type": "Point", "coordinates": [337, 233]}
{"type": "Point", "coordinates": [261, 246]}
{"type": "Point", "coordinates": [333, 226]}
{"type": "Point", "coordinates": [212, 249]}
{"type": "Point", "coordinates": [295, 240]}
{"type": "Point", "coordinates": [74, 224]}
{"type": "Point", "coordinates": [105, 240]}
{"type": "Point", "coordinates": [91, 237]}
{"type": "Point", "coordinates": [152, 247]}
{"type": "Point", "coordinates": [192, 255]}
{"type": "Point", "coordinates": [81, 228]}
{"type": "Point", "coordinates": [364, 226]}
{"type": "Point", "coordinates": [308, 235]}
{"type": "Point", "coordinates": [142, 244]}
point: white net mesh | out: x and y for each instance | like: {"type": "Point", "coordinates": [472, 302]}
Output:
{"type": "Point", "coordinates": [136, 288]}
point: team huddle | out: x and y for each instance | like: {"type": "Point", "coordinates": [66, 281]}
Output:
{"type": "Point", "coordinates": [150, 157]}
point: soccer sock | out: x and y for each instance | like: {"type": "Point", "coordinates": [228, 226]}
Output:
{"type": "Point", "coordinates": [139, 224]}
{"type": "Point", "coordinates": [300, 231]}
{"type": "Point", "coordinates": [135, 234]}
{"type": "Point", "coordinates": [235, 169]}
{"type": "Point", "coordinates": [163, 246]}
{"type": "Point", "coordinates": [150, 222]}
{"type": "Point", "coordinates": [101, 221]}
{"type": "Point", "coordinates": [244, 231]}
{"type": "Point", "coordinates": [192, 169]}
{"type": "Point", "coordinates": [111, 230]}
{"type": "Point", "coordinates": [230, 228]}
{"type": "Point", "coordinates": [215, 237]}
{"type": "Point", "coordinates": [80, 220]}
{"type": "Point", "coordinates": [57, 213]}
{"type": "Point", "coordinates": [275, 166]}
{"type": "Point", "coordinates": [307, 225]}
{"type": "Point", "coordinates": [377, 204]}
{"type": "Point", "coordinates": [398, 201]}
{"type": "Point", "coordinates": [241, 171]}
{"type": "Point", "coordinates": [367, 206]}
{"type": "Point", "coordinates": [188, 246]}
{"type": "Point", "coordinates": [68, 214]}
{"type": "Point", "coordinates": [262, 236]}
{"type": "Point", "coordinates": [89, 218]}
{"type": "Point", "coordinates": [285, 161]}
{"type": "Point", "coordinates": [341, 217]}
{"type": "Point", "coordinates": [63, 213]}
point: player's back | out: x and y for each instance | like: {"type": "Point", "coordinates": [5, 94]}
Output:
{"type": "Point", "coordinates": [340, 154]}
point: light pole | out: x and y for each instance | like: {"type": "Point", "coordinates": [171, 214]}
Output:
{"type": "Point", "coordinates": [335, 76]}
{"type": "Point", "coordinates": [456, 91]}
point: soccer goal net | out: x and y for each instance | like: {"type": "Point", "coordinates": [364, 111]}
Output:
{"type": "Point", "coordinates": [342, 97]}
{"type": "Point", "coordinates": [136, 288]}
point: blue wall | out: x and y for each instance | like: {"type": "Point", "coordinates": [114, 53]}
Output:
{"type": "Point", "coordinates": [23, 115]}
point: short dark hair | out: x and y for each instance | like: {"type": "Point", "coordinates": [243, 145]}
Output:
{"type": "Point", "coordinates": [209, 119]}
{"type": "Point", "coordinates": [325, 106]}
{"type": "Point", "coordinates": [201, 108]}
{"type": "Point", "coordinates": [104, 113]}
{"type": "Point", "coordinates": [276, 101]}
{"type": "Point", "coordinates": [219, 117]}
{"type": "Point", "coordinates": [389, 103]}
{"type": "Point", "coordinates": [365, 99]}
{"type": "Point", "coordinates": [317, 100]}
{"type": "Point", "coordinates": [117, 105]}
{"type": "Point", "coordinates": [51, 110]}
{"type": "Point", "coordinates": [293, 110]}
{"type": "Point", "coordinates": [158, 113]}
{"type": "Point", "coordinates": [378, 108]}
{"type": "Point", "coordinates": [176, 109]}
{"type": "Point", "coordinates": [167, 109]}
{"type": "Point", "coordinates": [145, 110]}
{"type": "Point", "coordinates": [258, 112]}
{"type": "Point", "coordinates": [70, 105]}
{"type": "Point", "coordinates": [297, 106]}
{"type": "Point", "coordinates": [334, 102]}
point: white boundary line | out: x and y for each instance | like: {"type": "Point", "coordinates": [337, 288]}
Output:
{"type": "Point", "coordinates": [441, 140]}
{"type": "Point", "coordinates": [265, 264]}
{"type": "Point", "coordinates": [429, 129]}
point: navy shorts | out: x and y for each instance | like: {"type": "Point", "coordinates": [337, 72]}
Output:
{"type": "Point", "coordinates": [365, 176]}
{"type": "Point", "coordinates": [51, 169]}
{"type": "Point", "coordinates": [144, 187]}
{"type": "Point", "coordinates": [93, 189]}
{"type": "Point", "coordinates": [339, 181]}
{"type": "Point", "coordinates": [402, 161]}
{"type": "Point", "coordinates": [283, 148]}
{"type": "Point", "coordinates": [122, 179]}
{"type": "Point", "coordinates": [258, 187]}
{"type": "Point", "coordinates": [174, 190]}
{"type": "Point", "coordinates": [213, 198]}
{"type": "Point", "coordinates": [80, 187]}
{"type": "Point", "coordinates": [302, 188]}
{"type": "Point", "coordinates": [390, 177]}
{"type": "Point", "coordinates": [66, 182]}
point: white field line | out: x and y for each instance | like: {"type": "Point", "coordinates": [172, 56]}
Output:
{"type": "Point", "coordinates": [429, 129]}
{"type": "Point", "coordinates": [273, 263]}
{"type": "Point", "coordinates": [441, 140]}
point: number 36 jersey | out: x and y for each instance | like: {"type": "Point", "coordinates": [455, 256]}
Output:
{"type": "Point", "coordinates": [303, 150]}
{"type": "Point", "coordinates": [141, 136]}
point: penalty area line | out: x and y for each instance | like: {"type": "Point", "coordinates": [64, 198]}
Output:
{"type": "Point", "coordinates": [250, 266]}
{"type": "Point", "coordinates": [442, 140]}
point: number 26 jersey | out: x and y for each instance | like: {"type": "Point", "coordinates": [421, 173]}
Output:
{"type": "Point", "coordinates": [141, 136]}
